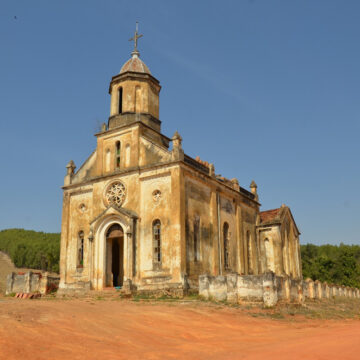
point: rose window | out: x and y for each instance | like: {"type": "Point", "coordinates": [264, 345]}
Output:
{"type": "Point", "coordinates": [115, 193]}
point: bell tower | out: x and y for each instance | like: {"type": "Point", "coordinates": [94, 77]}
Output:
{"type": "Point", "coordinates": [134, 93]}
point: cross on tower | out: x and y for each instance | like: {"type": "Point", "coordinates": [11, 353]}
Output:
{"type": "Point", "coordinates": [135, 39]}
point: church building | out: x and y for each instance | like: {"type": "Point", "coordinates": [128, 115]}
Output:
{"type": "Point", "coordinates": [141, 214]}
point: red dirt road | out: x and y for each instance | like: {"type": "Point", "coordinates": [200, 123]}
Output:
{"type": "Point", "coordinates": [90, 329]}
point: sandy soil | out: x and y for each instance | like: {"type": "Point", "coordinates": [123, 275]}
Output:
{"type": "Point", "coordinates": [121, 329]}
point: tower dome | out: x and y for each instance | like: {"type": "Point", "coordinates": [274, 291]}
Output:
{"type": "Point", "coordinates": [135, 64]}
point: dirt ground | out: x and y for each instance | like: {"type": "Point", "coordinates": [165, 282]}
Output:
{"type": "Point", "coordinates": [124, 329]}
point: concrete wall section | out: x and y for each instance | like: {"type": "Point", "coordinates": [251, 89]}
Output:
{"type": "Point", "coordinates": [267, 288]}
{"type": "Point", "coordinates": [31, 282]}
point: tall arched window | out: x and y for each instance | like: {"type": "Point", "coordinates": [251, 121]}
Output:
{"type": "Point", "coordinates": [157, 243]}
{"type": "Point", "coordinates": [196, 238]}
{"type": "Point", "coordinates": [249, 252]}
{"type": "Point", "coordinates": [80, 251]}
{"type": "Point", "coordinates": [117, 154]}
{"type": "Point", "coordinates": [107, 160]}
{"type": "Point", "coordinates": [267, 257]}
{"type": "Point", "coordinates": [226, 245]}
{"type": "Point", "coordinates": [120, 99]}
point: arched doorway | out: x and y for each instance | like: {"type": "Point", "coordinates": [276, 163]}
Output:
{"type": "Point", "coordinates": [115, 256]}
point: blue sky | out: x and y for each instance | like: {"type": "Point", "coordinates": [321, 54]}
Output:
{"type": "Point", "coordinates": [265, 89]}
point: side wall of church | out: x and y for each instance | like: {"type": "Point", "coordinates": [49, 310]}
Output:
{"type": "Point", "coordinates": [249, 240]}
{"type": "Point", "coordinates": [198, 227]}
{"type": "Point", "coordinates": [220, 230]}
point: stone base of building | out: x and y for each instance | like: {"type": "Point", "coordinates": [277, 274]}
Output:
{"type": "Point", "coordinates": [176, 290]}
{"type": "Point", "coordinates": [79, 288]}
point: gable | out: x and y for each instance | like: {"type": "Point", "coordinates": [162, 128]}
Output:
{"type": "Point", "coordinates": [85, 170]}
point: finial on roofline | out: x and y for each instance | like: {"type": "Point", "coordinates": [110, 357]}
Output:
{"type": "Point", "coordinates": [253, 188]}
{"type": "Point", "coordinates": [135, 39]}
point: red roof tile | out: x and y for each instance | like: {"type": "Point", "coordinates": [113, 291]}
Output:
{"type": "Point", "coordinates": [269, 215]}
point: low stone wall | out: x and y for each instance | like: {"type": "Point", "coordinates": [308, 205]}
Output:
{"type": "Point", "coordinates": [31, 282]}
{"type": "Point", "coordinates": [268, 289]}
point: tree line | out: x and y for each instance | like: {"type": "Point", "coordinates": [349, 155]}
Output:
{"type": "Point", "coordinates": [331, 263]}
{"type": "Point", "coordinates": [32, 249]}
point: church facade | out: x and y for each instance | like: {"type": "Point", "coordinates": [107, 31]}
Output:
{"type": "Point", "coordinates": [141, 214]}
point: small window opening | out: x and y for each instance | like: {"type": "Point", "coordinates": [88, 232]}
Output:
{"type": "Point", "coordinates": [120, 99]}
{"type": "Point", "coordinates": [157, 242]}
{"type": "Point", "coordinates": [117, 152]}
{"type": "Point", "coordinates": [80, 262]}
{"type": "Point", "coordinates": [249, 252]}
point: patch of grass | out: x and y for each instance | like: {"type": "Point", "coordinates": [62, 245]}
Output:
{"type": "Point", "coordinates": [162, 298]}
{"type": "Point", "coordinates": [338, 308]}
{"type": "Point", "coordinates": [142, 296]}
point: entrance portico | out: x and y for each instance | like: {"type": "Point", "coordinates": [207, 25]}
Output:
{"type": "Point", "coordinates": [113, 249]}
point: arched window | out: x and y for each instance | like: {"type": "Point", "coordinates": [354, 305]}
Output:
{"type": "Point", "coordinates": [117, 154]}
{"type": "Point", "coordinates": [267, 256]}
{"type": "Point", "coordinates": [107, 160]}
{"type": "Point", "coordinates": [80, 251]}
{"type": "Point", "coordinates": [196, 238]}
{"type": "Point", "coordinates": [157, 243]}
{"type": "Point", "coordinates": [120, 99]}
{"type": "Point", "coordinates": [249, 252]}
{"type": "Point", "coordinates": [226, 246]}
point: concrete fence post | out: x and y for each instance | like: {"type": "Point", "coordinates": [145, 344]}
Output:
{"type": "Point", "coordinates": [27, 287]}
{"type": "Point", "coordinates": [318, 289]}
{"type": "Point", "coordinates": [10, 283]}
{"type": "Point", "coordinates": [347, 291]}
{"type": "Point", "coordinates": [326, 290]}
{"type": "Point", "coordinates": [334, 290]}
{"type": "Point", "coordinates": [44, 283]}
{"type": "Point", "coordinates": [309, 288]}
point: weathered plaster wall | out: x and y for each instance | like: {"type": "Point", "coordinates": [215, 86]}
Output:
{"type": "Point", "coordinates": [138, 96]}
{"type": "Point", "coordinates": [197, 204]}
{"type": "Point", "coordinates": [268, 288]}
{"type": "Point", "coordinates": [30, 282]}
